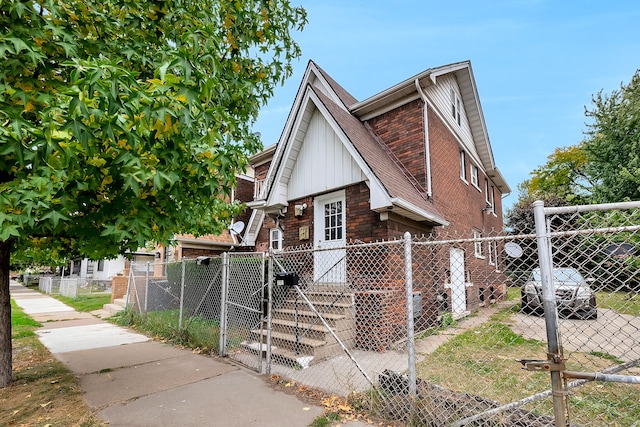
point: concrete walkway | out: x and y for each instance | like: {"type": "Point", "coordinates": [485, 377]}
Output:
{"type": "Point", "coordinates": [130, 380]}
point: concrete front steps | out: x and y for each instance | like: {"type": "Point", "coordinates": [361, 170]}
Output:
{"type": "Point", "coordinates": [299, 338]}
{"type": "Point", "coordinates": [109, 310]}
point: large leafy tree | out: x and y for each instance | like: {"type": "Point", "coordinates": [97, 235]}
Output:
{"type": "Point", "coordinates": [562, 177]}
{"type": "Point", "coordinates": [613, 143]}
{"type": "Point", "coordinates": [603, 168]}
{"type": "Point", "coordinates": [125, 121]}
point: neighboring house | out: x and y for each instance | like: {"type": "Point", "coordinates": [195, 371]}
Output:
{"type": "Point", "coordinates": [415, 157]}
{"type": "Point", "coordinates": [95, 270]}
{"type": "Point", "coordinates": [105, 269]}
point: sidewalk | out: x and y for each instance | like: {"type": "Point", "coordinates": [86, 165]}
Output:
{"type": "Point", "coordinates": [131, 380]}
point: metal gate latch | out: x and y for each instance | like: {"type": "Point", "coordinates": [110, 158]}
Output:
{"type": "Point", "coordinates": [554, 363]}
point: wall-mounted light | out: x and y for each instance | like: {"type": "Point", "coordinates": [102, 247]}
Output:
{"type": "Point", "coordinates": [299, 210]}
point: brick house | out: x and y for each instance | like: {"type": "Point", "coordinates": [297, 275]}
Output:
{"type": "Point", "coordinates": [415, 157]}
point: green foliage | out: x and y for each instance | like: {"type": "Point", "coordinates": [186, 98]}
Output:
{"type": "Point", "coordinates": [125, 122]}
{"type": "Point", "coordinates": [22, 326]}
{"type": "Point", "coordinates": [613, 143]}
{"type": "Point", "coordinates": [621, 302]}
{"type": "Point", "coordinates": [197, 332]}
{"type": "Point", "coordinates": [561, 177]}
{"type": "Point", "coordinates": [39, 252]}
{"type": "Point", "coordinates": [447, 321]}
{"type": "Point", "coordinates": [603, 168]}
{"type": "Point", "coordinates": [86, 303]}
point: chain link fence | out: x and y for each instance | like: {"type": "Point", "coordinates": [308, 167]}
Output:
{"type": "Point", "coordinates": [72, 287]}
{"type": "Point", "coordinates": [445, 330]}
{"type": "Point", "coordinates": [588, 286]}
{"type": "Point", "coordinates": [214, 303]}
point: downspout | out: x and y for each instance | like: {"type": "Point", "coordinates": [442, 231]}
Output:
{"type": "Point", "coordinates": [426, 136]}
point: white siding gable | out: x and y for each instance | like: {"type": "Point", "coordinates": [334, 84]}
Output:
{"type": "Point", "coordinates": [323, 162]}
{"type": "Point", "coordinates": [440, 94]}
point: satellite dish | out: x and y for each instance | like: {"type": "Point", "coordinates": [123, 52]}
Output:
{"type": "Point", "coordinates": [237, 227]}
{"type": "Point", "coordinates": [513, 249]}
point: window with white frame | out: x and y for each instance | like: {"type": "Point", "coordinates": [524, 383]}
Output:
{"type": "Point", "coordinates": [496, 256]}
{"type": "Point", "coordinates": [463, 165]}
{"type": "Point", "coordinates": [455, 106]}
{"type": "Point", "coordinates": [493, 199]}
{"type": "Point", "coordinates": [474, 175]}
{"type": "Point", "coordinates": [487, 199]}
{"type": "Point", "coordinates": [275, 239]}
{"type": "Point", "coordinates": [491, 253]}
{"type": "Point", "coordinates": [477, 244]}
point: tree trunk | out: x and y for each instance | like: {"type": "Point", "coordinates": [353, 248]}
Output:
{"type": "Point", "coordinates": [5, 316]}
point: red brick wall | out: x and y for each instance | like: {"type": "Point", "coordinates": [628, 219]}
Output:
{"type": "Point", "coordinates": [462, 205]}
{"type": "Point", "coordinates": [402, 129]}
{"type": "Point", "coordinates": [291, 224]}
{"type": "Point", "coordinates": [260, 171]}
{"type": "Point", "coordinates": [191, 253]}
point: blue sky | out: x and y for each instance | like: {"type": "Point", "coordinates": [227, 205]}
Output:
{"type": "Point", "coordinates": [537, 63]}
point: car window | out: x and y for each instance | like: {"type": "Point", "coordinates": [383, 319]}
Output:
{"type": "Point", "coordinates": [559, 275]}
{"type": "Point", "coordinates": [566, 275]}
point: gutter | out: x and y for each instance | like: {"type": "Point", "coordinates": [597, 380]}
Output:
{"type": "Point", "coordinates": [426, 136]}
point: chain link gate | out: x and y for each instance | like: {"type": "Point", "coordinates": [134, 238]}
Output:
{"type": "Point", "coordinates": [242, 325]}
{"type": "Point", "coordinates": [590, 292]}
{"type": "Point", "coordinates": [216, 302]}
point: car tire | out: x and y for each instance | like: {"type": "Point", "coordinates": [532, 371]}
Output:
{"type": "Point", "coordinates": [526, 307]}
{"type": "Point", "coordinates": [587, 315]}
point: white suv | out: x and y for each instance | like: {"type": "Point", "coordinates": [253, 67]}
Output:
{"type": "Point", "coordinates": [574, 296]}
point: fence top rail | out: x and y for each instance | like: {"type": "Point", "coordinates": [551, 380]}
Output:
{"type": "Point", "coordinates": [588, 208]}
{"type": "Point", "coordinates": [504, 237]}
{"type": "Point", "coordinates": [350, 246]}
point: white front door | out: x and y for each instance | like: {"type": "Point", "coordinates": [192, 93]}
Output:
{"type": "Point", "coordinates": [329, 238]}
{"type": "Point", "coordinates": [458, 288]}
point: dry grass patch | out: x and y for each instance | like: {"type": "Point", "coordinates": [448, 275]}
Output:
{"type": "Point", "coordinates": [483, 362]}
{"type": "Point", "coordinates": [43, 391]}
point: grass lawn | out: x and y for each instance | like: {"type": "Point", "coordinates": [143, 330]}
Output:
{"type": "Point", "coordinates": [86, 303]}
{"type": "Point", "coordinates": [622, 302]}
{"type": "Point", "coordinates": [43, 391]}
{"type": "Point", "coordinates": [482, 362]}
{"type": "Point", "coordinates": [197, 333]}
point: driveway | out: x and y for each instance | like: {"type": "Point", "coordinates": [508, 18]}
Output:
{"type": "Point", "coordinates": [612, 333]}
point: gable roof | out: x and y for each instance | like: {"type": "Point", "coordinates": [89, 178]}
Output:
{"type": "Point", "coordinates": [403, 190]}
{"type": "Point", "coordinates": [407, 90]}
{"type": "Point", "coordinates": [392, 187]}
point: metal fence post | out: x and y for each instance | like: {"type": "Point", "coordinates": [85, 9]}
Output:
{"type": "Point", "coordinates": [550, 313]}
{"type": "Point", "coordinates": [181, 294]}
{"type": "Point", "coordinates": [146, 288]}
{"type": "Point", "coordinates": [128, 294]}
{"type": "Point", "coordinates": [411, 350]}
{"type": "Point", "coordinates": [223, 304]}
{"type": "Point", "coordinates": [269, 300]}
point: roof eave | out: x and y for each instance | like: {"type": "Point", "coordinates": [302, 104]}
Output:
{"type": "Point", "coordinates": [404, 89]}
{"type": "Point", "coordinates": [415, 213]}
